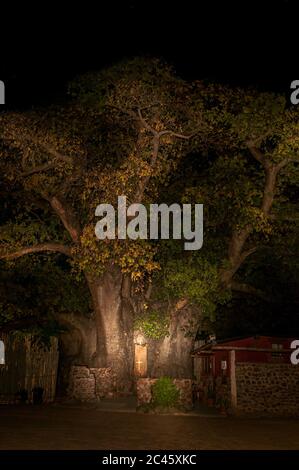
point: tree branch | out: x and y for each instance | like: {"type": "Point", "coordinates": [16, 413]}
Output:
{"type": "Point", "coordinates": [156, 144]}
{"type": "Point", "coordinates": [257, 154]}
{"type": "Point", "coordinates": [67, 217]}
{"type": "Point", "coordinates": [144, 181]}
{"type": "Point", "coordinates": [285, 162]}
{"type": "Point", "coordinates": [180, 136]}
{"type": "Point", "coordinates": [55, 247]}
{"type": "Point", "coordinates": [37, 169]}
{"type": "Point", "coordinates": [236, 255]}
{"type": "Point", "coordinates": [24, 136]}
{"type": "Point", "coordinates": [247, 253]}
{"type": "Point", "coordinates": [248, 289]}
{"type": "Point", "coordinates": [165, 132]}
{"type": "Point", "coordinates": [48, 148]}
{"type": "Point", "coordinates": [145, 123]}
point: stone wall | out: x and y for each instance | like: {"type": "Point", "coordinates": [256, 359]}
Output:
{"type": "Point", "coordinates": [144, 391]}
{"type": "Point", "coordinates": [267, 389]}
{"type": "Point", "coordinates": [91, 384]}
{"type": "Point", "coordinates": [105, 382]}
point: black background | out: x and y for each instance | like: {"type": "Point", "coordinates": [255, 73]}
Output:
{"type": "Point", "coordinates": [236, 42]}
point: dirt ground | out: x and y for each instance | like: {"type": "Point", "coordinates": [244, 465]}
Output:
{"type": "Point", "coordinates": [65, 427]}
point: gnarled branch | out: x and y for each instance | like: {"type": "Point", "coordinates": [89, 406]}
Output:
{"type": "Point", "coordinates": [54, 247]}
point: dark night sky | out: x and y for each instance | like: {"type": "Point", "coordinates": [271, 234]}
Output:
{"type": "Point", "coordinates": [244, 42]}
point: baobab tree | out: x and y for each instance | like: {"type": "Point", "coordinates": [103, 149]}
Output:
{"type": "Point", "coordinates": [127, 143]}
{"type": "Point", "coordinates": [128, 131]}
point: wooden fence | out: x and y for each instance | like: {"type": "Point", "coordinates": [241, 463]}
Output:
{"type": "Point", "coordinates": [27, 366]}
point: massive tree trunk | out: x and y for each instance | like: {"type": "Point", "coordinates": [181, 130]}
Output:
{"type": "Point", "coordinates": [114, 326]}
{"type": "Point", "coordinates": [106, 338]}
{"type": "Point", "coordinates": [172, 355]}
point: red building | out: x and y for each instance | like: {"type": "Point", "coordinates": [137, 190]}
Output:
{"type": "Point", "coordinates": [215, 363]}
{"type": "Point", "coordinates": [214, 359]}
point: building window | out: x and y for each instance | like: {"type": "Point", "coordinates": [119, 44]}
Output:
{"type": "Point", "coordinates": [276, 354]}
{"type": "Point", "coordinates": [2, 353]}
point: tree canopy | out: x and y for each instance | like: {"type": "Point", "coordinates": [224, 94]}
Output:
{"type": "Point", "coordinates": [136, 129]}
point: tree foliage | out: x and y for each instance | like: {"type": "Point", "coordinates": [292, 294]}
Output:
{"type": "Point", "coordinates": [136, 129]}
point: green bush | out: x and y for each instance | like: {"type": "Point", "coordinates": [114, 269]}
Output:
{"type": "Point", "coordinates": [165, 394]}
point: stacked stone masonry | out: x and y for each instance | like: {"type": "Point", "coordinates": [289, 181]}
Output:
{"type": "Point", "coordinates": [268, 389]}
{"type": "Point", "coordinates": [91, 384]}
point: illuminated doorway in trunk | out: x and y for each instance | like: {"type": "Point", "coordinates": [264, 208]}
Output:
{"type": "Point", "coordinates": [2, 353]}
{"type": "Point", "coordinates": [140, 360]}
